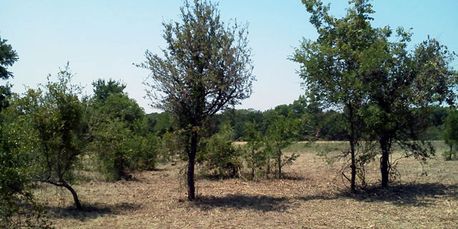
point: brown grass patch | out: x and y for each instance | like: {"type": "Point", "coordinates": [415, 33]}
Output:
{"type": "Point", "coordinates": [312, 196]}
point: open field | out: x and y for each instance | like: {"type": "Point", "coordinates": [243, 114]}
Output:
{"type": "Point", "coordinates": [312, 196]}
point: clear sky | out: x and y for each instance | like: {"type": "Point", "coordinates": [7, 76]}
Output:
{"type": "Point", "coordinates": [102, 38]}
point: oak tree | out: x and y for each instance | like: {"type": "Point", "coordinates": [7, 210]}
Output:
{"type": "Point", "coordinates": [56, 116]}
{"type": "Point", "coordinates": [205, 67]}
{"type": "Point", "coordinates": [330, 66]}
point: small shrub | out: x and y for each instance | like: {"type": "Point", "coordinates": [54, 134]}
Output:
{"type": "Point", "coordinates": [219, 157]}
{"type": "Point", "coordinates": [170, 147]}
{"type": "Point", "coordinates": [449, 155]}
{"type": "Point", "coordinates": [143, 154]}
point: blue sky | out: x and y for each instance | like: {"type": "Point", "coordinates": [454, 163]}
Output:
{"type": "Point", "coordinates": [101, 39]}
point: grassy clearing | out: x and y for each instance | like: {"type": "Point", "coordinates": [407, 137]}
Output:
{"type": "Point", "coordinates": [313, 195]}
{"type": "Point", "coordinates": [330, 147]}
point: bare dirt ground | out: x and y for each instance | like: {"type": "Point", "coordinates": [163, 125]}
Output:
{"type": "Point", "coordinates": [312, 196]}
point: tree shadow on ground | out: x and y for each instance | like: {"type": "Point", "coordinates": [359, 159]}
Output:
{"type": "Point", "coordinates": [156, 169]}
{"type": "Point", "coordinates": [292, 177]}
{"type": "Point", "coordinates": [318, 197]}
{"type": "Point", "coordinates": [408, 194]}
{"type": "Point", "coordinates": [401, 194]}
{"type": "Point", "coordinates": [91, 211]}
{"type": "Point", "coordinates": [257, 203]}
{"type": "Point", "coordinates": [248, 177]}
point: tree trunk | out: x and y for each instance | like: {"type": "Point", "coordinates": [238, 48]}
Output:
{"type": "Point", "coordinates": [253, 164]}
{"type": "Point", "coordinates": [353, 166]}
{"type": "Point", "coordinates": [268, 169]}
{"type": "Point", "coordinates": [253, 172]}
{"type": "Point", "coordinates": [74, 194]}
{"type": "Point", "coordinates": [451, 152]}
{"type": "Point", "coordinates": [69, 188]}
{"type": "Point", "coordinates": [352, 149]}
{"type": "Point", "coordinates": [279, 164]}
{"type": "Point", "coordinates": [253, 169]}
{"type": "Point", "coordinates": [384, 160]}
{"type": "Point", "coordinates": [191, 163]}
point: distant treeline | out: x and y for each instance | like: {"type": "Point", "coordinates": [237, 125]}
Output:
{"type": "Point", "coordinates": [317, 124]}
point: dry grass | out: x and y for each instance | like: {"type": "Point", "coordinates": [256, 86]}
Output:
{"type": "Point", "coordinates": [312, 196]}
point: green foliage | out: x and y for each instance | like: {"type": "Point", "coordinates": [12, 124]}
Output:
{"type": "Point", "coordinates": [14, 181]}
{"type": "Point", "coordinates": [451, 134]}
{"type": "Point", "coordinates": [170, 146]}
{"type": "Point", "coordinates": [111, 144]}
{"type": "Point", "coordinates": [202, 54]}
{"type": "Point", "coordinates": [384, 90]}
{"type": "Point", "coordinates": [17, 206]}
{"type": "Point", "coordinates": [238, 118]}
{"type": "Point", "coordinates": [45, 128]}
{"type": "Point", "coordinates": [332, 126]}
{"type": "Point", "coordinates": [57, 117]}
{"type": "Point", "coordinates": [120, 106]}
{"type": "Point", "coordinates": [255, 155]}
{"type": "Point", "coordinates": [314, 122]}
{"type": "Point", "coordinates": [56, 113]}
{"type": "Point", "coordinates": [403, 89]}
{"type": "Point", "coordinates": [144, 152]}
{"type": "Point", "coordinates": [435, 124]}
{"type": "Point", "coordinates": [119, 134]}
{"type": "Point", "coordinates": [219, 156]}
{"type": "Point", "coordinates": [280, 134]}
{"type": "Point", "coordinates": [205, 68]}
{"type": "Point", "coordinates": [160, 123]}
{"type": "Point", "coordinates": [103, 89]}
{"type": "Point", "coordinates": [332, 66]}
{"type": "Point", "coordinates": [7, 58]}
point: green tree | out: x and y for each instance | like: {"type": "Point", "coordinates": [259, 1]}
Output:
{"type": "Point", "coordinates": [160, 123]}
{"type": "Point", "coordinates": [376, 79]}
{"type": "Point", "coordinates": [280, 134]}
{"type": "Point", "coordinates": [332, 126]}
{"type": "Point", "coordinates": [56, 114]}
{"type": "Point", "coordinates": [205, 67]}
{"type": "Point", "coordinates": [238, 119]}
{"type": "Point", "coordinates": [7, 58]}
{"type": "Point", "coordinates": [110, 141]}
{"type": "Point", "coordinates": [170, 146]}
{"type": "Point", "coordinates": [17, 206]}
{"type": "Point", "coordinates": [103, 89]}
{"type": "Point", "coordinates": [451, 133]}
{"type": "Point", "coordinates": [219, 156]}
{"type": "Point", "coordinates": [403, 89]}
{"type": "Point", "coordinates": [17, 166]}
{"type": "Point", "coordinates": [330, 66]}
{"type": "Point", "coordinates": [10, 177]}
{"type": "Point", "coordinates": [125, 109]}
{"type": "Point", "coordinates": [255, 156]}
{"type": "Point", "coordinates": [119, 134]}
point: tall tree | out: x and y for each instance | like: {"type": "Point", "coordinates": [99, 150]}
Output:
{"type": "Point", "coordinates": [330, 66]}
{"type": "Point", "coordinates": [118, 131]}
{"type": "Point", "coordinates": [403, 86]}
{"type": "Point", "coordinates": [12, 188]}
{"type": "Point", "coordinates": [56, 115]}
{"type": "Point", "coordinates": [380, 82]}
{"type": "Point", "coordinates": [103, 89]}
{"type": "Point", "coordinates": [205, 68]}
{"type": "Point", "coordinates": [7, 58]}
